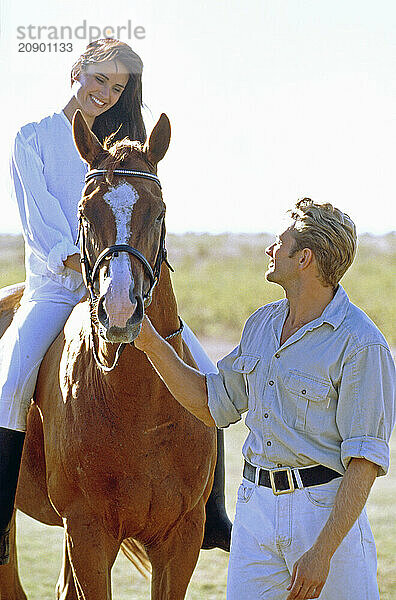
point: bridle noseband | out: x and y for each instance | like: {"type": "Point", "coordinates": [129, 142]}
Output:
{"type": "Point", "coordinates": [90, 274]}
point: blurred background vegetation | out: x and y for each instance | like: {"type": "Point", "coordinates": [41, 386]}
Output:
{"type": "Point", "coordinates": [219, 279]}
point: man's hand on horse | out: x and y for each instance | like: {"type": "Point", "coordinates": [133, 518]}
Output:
{"type": "Point", "coordinates": [309, 575]}
{"type": "Point", "coordinates": [147, 336]}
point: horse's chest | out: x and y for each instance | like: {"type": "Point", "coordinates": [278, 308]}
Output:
{"type": "Point", "coordinates": [115, 461]}
{"type": "Point", "coordinates": [130, 480]}
{"type": "Point", "coordinates": [131, 452]}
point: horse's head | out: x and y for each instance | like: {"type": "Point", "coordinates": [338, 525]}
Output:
{"type": "Point", "coordinates": [127, 211]}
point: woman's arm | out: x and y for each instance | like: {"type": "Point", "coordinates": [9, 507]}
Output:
{"type": "Point", "coordinates": [186, 384]}
{"type": "Point", "coordinates": [45, 227]}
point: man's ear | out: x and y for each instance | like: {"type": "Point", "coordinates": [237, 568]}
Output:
{"type": "Point", "coordinates": [306, 258]}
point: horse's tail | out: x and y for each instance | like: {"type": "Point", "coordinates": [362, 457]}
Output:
{"type": "Point", "coordinates": [136, 553]}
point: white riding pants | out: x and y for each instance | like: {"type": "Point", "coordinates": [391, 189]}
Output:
{"type": "Point", "coordinates": [35, 326]}
{"type": "Point", "coordinates": [271, 533]}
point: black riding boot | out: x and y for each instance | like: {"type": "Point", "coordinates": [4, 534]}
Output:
{"type": "Point", "coordinates": [11, 445]}
{"type": "Point", "coordinates": [218, 525]}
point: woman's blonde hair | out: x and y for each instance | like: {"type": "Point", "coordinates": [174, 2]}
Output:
{"type": "Point", "coordinates": [329, 233]}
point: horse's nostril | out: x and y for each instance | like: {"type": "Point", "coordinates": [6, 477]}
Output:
{"type": "Point", "coordinates": [139, 311]}
{"type": "Point", "coordinates": [101, 312]}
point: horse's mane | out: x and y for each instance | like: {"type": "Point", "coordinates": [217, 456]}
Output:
{"type": "Point", "coordinates": [119, 152]}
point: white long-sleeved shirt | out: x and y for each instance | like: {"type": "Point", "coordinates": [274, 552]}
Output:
{"type": "Point", "coordinates": [47, 178]}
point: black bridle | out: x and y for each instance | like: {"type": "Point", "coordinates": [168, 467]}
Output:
{"type": "Point", "coordinates": [90, 274]}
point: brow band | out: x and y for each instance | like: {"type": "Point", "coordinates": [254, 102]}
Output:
{"type": "Point", "coordinates": [125, 172]}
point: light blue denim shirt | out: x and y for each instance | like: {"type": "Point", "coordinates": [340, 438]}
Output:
{"type": "Point", "coordinates": [324, 396]}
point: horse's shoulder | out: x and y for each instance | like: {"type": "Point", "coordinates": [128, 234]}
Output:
{"type": "Point", "coordinates": [68, 344]}
{"type": "Point", "coordinates": [74, 342]}
{"type": "Point", "coordinates": [75, 321]}
{"type": "Point", "coordinates": [61, 368]}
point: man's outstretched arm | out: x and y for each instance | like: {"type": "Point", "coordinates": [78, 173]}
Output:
{"type": "Point", "coordinates": [185, 383]}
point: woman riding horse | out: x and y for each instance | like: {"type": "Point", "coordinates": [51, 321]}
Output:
{"type": "Point", "coordinates": [106, 85]}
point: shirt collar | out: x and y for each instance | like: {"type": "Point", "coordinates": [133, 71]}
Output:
{"type": "Point", "coordinates": [336, 310]}
{"type": "Point", "coordinates": [66, 121]}
{"type": "Point", "coordinates": [333, 314]}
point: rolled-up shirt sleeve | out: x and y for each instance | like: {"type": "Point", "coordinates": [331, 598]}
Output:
{"type": "Point", "coordinates": [366, 406]}
{"type": "Point", "coordinates": [46, 229]}
{"type": "Point", "coordinates": [227, 398]}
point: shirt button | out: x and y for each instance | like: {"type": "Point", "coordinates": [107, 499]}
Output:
{"type": "Point", "coordinates": [265, 415]}
{"type": "Point", "coordinates": [277, 355]}
{"type": "Point", "coordinates": [271, 382]}
{"type": "Point", "coordinates": [268, 443]}
{"type": "Point", "coordinates": [304, 391]}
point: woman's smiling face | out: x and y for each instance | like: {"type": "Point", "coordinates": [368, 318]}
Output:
{"type": "Point", "coordinates": [99, 86]}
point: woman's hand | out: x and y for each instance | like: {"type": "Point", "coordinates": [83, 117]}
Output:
{"type": "Point", "coordinates": [147, 336]}
{"type": "Point", "coordinates": [73, 262]}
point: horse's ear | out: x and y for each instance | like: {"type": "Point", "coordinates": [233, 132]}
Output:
{"type": "Point", "coordinates": [158, 143]}
{"type": "Point", "coordinates": [87, 144]}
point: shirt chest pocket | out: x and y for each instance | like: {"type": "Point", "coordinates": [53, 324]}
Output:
{"type": "Point", "coordinates": [247, 366]}
{"type": "Point", "coordinates": [306, 404]}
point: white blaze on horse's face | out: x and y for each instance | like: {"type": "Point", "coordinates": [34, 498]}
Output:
{"type": "Point", "coordinates": [117, 301]}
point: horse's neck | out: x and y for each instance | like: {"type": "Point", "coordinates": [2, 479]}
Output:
{"type": "Point", "coordinates": [163, 309]}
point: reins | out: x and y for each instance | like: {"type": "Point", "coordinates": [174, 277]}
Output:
{"type": "Point", "coordinates": [90, 274]}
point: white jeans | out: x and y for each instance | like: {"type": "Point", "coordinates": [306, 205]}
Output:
{"type": "Point", "coordinates": [271, 532]}
{"type": "Point", "coordinates": [35, 326]}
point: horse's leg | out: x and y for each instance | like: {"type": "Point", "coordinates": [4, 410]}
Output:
{"type": "Point", "coordinates": [174, 559]}
{"type": "Point", "coordinates": [65, 588]}
{"type": "Point", "coordinates": [91, 553]}
{"type": "Point", "coordinates": [10, 584]}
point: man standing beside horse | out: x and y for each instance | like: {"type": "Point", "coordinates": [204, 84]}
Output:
{"type": "Point", "coordinates": [316, 378]}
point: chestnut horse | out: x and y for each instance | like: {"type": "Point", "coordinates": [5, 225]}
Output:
{"type": "Point", "coordinates": [109, 454]}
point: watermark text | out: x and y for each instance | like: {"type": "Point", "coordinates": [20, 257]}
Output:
{"type": "Point", "coordinates": [84, 31]}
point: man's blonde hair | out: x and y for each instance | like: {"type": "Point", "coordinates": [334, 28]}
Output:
{"type": "Point", "coordinates": [329, 233]}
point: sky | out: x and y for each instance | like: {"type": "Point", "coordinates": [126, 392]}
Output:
{"type": "Point", "coordinates": [269, 101]}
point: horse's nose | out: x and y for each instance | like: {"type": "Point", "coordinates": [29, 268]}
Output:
{"type": "Point", "coordinates": [117, 304]}
{"type": "Point", "coordinates": [118, 308]}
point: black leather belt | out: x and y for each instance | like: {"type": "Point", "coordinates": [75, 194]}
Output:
{"type": "Point", "coordinates": [283, 480]}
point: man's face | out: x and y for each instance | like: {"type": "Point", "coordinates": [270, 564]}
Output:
{"type": "Point", "coordinates": [282, 268]}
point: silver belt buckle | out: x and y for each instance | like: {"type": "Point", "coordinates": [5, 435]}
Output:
{"type": "Point", "coordinates": [289, 479]}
